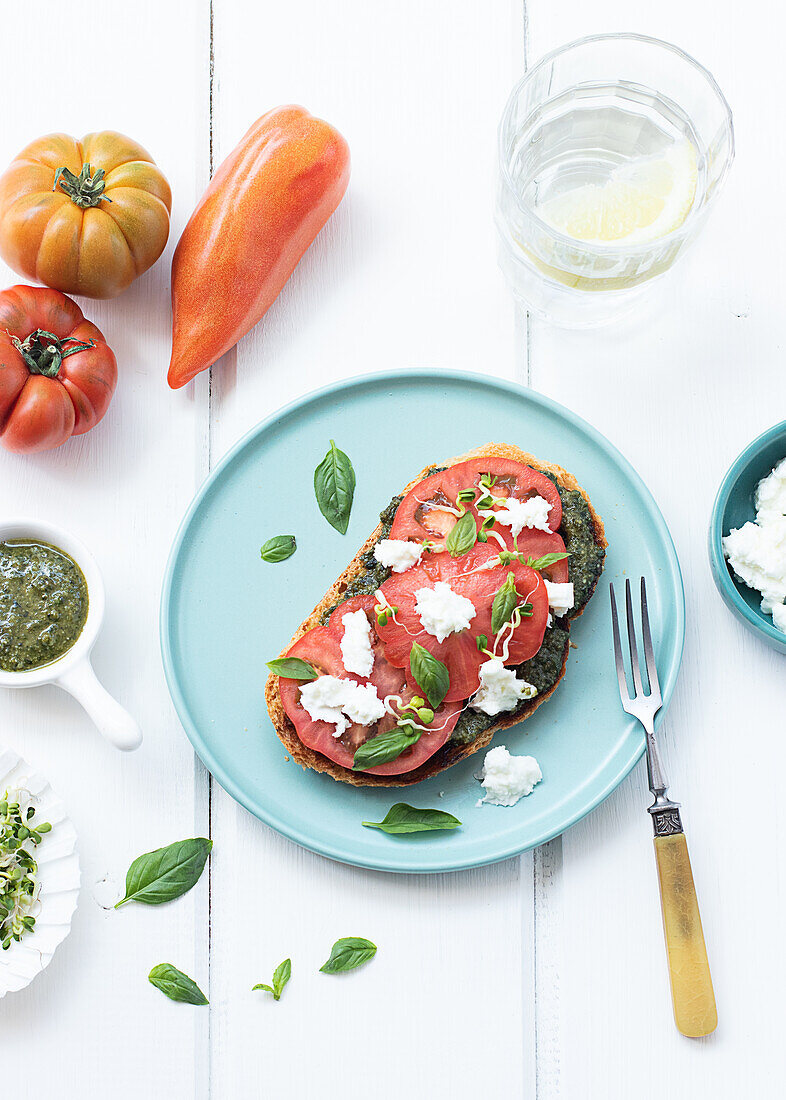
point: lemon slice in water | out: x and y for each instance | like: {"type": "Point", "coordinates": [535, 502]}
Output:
{"type": "Point", "coordinates": [639, 203]}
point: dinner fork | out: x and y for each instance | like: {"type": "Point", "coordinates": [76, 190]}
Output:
{"type": "Point", "coordinates": [692, 994]}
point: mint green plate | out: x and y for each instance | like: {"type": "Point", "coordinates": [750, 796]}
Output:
{"type": "Point", "coordinates": [225, 612]}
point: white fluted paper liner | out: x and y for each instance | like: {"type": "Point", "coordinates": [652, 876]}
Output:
{"type": "Point", "coordinates": [58, 875]}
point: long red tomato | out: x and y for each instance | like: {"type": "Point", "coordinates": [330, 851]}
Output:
{"type": "Point", "coordinates": [57, 373]}
{"type": "Point", "coordinates": [261, 211]}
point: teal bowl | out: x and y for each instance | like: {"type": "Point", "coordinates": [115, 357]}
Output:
{"type": "Point", "coordinates": [734, 506]}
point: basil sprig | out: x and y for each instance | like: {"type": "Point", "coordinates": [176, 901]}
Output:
{"type": "Point", "coordinates": [402, 818]}
{"type": "Point", "coordinates": [545, 561]}
{"type": "Point", "coordinates": [281, 976]}
{"type": "Point", "coordinates": [279, 548]}
{"type": "Point", "coordinates": [177, 985]}
{"type": "Point", "coordinates": [504, 604]}
{"type": "Point", "coordinates": [166, 873]}
{"type": "Point", "coordinates": [430, 674]}
{"type": "Point", "coordinates": [334, 486]}
{"type": "Point", "coordinates": [292, 668]}
{"type": "Point", "coordinates": [462, 536]}
{"type": "Point", "coordinates": [348, 953]}
{"type": "Point", "coordinates": [385, 747]}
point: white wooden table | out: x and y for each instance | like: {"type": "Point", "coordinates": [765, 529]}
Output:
{"type": "Point", "coordinates": [540, 977]}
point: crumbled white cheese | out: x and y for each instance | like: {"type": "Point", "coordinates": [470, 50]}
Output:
{"type": "Point", "coordinates": [771, 495]}
{"type": "Point", "coordinates": [507, 778]}
{"type": "Point", "coordinates": [443, 611]}
{"type": "Point", "coordinates": [499, 689]}
{"type": "Point", "coordinates": [356, 653]}
{"type": "Point", "coordinates": [757, 550]}
{"type": "Point", "coordinates": [518, 514]}
{"type": "Point", "coordinates": [561, 597]}
{"type": "Point", "coordinates": [341, 702]}
{"type": "Point", "coordinates": [398, 554]}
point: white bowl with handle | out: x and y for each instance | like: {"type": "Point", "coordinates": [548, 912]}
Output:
{"type": "Point", "coordinates": [73, 671]}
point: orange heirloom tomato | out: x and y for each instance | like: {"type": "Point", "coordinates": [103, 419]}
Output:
{"type": "Point", "coordinates": [261, 211]}
{"type": "Point", "coordinates": [57, 374]}
{"type": "Point", "coordinates": [86, 217]}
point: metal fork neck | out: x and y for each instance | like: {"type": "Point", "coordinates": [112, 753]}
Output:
{"type": "Point", "coordinates": [666, 819]}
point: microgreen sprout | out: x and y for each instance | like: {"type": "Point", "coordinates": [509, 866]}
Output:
{"type": "Point", "coordinates": [18, 868]}
{"type": "Point", "coordinates": [418, 707]}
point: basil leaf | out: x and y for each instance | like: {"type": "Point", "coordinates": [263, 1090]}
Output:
{"type": "Point", "coordinates": [462, 536]}
{"type": "Point", "coordinates": [334, 486]}
{"type": "Point", "coordinates": [167, 873]}
{"type": "Point", "coordinates": [430, 674]}
{"type": "Point", "coordinates": [504, 604]}
{"type": "Point", "coordinates": [177, 985]}
{"type": "Point", "coordinates": [281, 976]}
{"type": "Point", "coordinates": [292, 668]}
{"type": "Point", "coordinates": [402, 818]}
{"type": "Point", "coordinates": [384, 747]}
{"type": "Point", "coordinates": [279, 548]}
{"type": "Point", "coordinates": [348, 953]}
{"type": "Point", "coordinates": [545, 561]}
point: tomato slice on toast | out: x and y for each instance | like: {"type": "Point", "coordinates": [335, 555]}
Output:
{"type": "Point", "coordinates": [321, 647]}
{"type": "Point", "coordinates": [429, 510]}
{"type": "Point", "coordinates": [478, 576]}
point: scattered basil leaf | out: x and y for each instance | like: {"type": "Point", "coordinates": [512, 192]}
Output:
{"type": "Point", "coordinates": [166, 873]}
{"type": "Point", "coordinates": [462, 536]}
{"type": "Point", "coordinates": [482, 642]}
{"type": "Point", "coordinates": [334, 486]}
{"type": "Point", "coordinates": [348, 953]}
{"type": "Point", "coordinates": [430, 674]}
{"type": "Point", "coordinates": [545, 561]}
{"type": "Point", "coordinates": [279, 548]}
{"type": "Point", "coordinates": [292, 668]}
{"type": "Point", "coordinates": [177, 985]}
{"type": "Point", "coordinates": [504, 604]}
{"type": "Point", "coordinates": [384, 747]}
{"type": "Point", "coordinates": [402, 818]}
{"type": "Point", "coordinates": [281, 976]}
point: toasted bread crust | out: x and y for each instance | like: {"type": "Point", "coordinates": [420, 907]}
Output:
{"type": "Point", "coordinates": [449, 754]}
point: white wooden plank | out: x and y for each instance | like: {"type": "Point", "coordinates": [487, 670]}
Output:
{"type": "Point", "coordinates": [91, 1024]}
{"type": "Point", "coordinates": [405, 274]}
{"type": "Point", "coordinates": [681, 389]}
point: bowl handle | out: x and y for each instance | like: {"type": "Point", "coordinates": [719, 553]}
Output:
{"type": "Point", "coordinates": [115, 723]}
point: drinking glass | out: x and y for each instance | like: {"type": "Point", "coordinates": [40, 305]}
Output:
{"type": "Point", "coordinates": [592, 111]}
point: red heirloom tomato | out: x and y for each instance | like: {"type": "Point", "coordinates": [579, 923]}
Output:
{"type": "Point", "coordinates": [428, 511]}
{"type": "Point", "coordinates": [57, 373]}
{"type": "Point", "coordinates": [321, 647]}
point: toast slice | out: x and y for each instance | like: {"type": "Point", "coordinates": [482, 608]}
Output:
{"type": "Point", "coordinates": [451, 752]}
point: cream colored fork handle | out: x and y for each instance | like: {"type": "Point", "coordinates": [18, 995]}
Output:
{"type": "Point", "coordinates": [689, 971]}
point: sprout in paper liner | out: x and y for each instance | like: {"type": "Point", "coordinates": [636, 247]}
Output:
{"type": "Point", "coordinates": [39, 872]}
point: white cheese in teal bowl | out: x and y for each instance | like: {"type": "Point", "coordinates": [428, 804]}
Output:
{"type": "Point", "coordinates": [747, 537]}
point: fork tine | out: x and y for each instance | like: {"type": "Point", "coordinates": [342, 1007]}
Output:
{"type": "Point", "coordinates": [649, 652]}
{"type": "Point", "coordinates": [632, 642]}
{"type": "Point", "coordinates": [615, 629]}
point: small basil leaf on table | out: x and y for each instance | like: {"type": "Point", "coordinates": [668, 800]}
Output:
{"type": "Point", "coordinates": [402, 818]}
{"type": "Point", "coordinates": [462, 536]}
{"type": "Point", "coordinates": [292, 668]}
{"type": "Point", "coordinates": [504, 604]}
{"type": "Point", "coordinates": [177, 985]}
{"type": "Point", "coordinates": [429, 673]}
{"type": "Point", "coordinates": [334, 487]}
{"type": "Point", "coordinates": [281, 976]}
{"type": "Point", "coordinates": [385, 747]}
{"type": "Point", "coordinates": [348, 953]}
{"type": "Point", "coordinates": [167, 873]}
{"type": "Point", "coordinates": [279, 548]}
